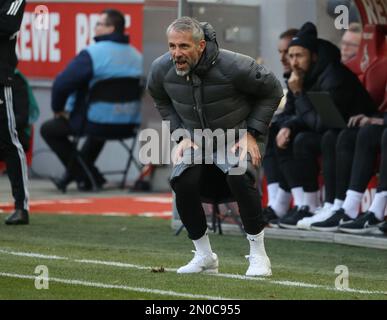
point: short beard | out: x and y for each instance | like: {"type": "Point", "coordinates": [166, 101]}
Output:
{"type": "Point", "coordinates": [182, 73]}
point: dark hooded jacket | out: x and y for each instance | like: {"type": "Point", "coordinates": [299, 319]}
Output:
{"type": "Point", "coordinates": [225, 90]}
{"type": "Point", "coordinates": [330, 75]}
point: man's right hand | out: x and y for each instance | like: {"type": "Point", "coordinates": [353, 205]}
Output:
{"type": "Point", "coordinates": [181, 147]}
{"type": "Point", "coordinates": [283, 138]}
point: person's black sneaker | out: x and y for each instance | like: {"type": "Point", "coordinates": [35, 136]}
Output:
{"type": "Point", "coordinates": [20, 216]}
{"type": "Point", "coordinates": [87, 185]}
{"type": "Point", "coordinates": [274, 223]}
{"type": "Point", "coordinates": [290, 221]}
{"type": "Point", "coordinates": [62, 183]}
{"type": "Point", "coordinates": [268, 214]}
{"type": "Point", "coordinates": [365, 223]}
{"type": "Point", "coordinates": [383, 228]}
{"type": "Point", "coordinates": [332, 224]}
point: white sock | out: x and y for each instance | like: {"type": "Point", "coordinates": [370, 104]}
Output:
{"type": "Point", "coordinates": [298, 196]}
{"type": "Point", "coordinates": [378, 205]}
{"type": "Point", "coordinates": [257, 246]}
{"type": "Point", "coordinates": [272, 190]}
{"type": "Point", "coordinates": [352, 203]}
{"type": "Point", "coordinates": [327, 206]}
{"type": "Point", "coordinates": [282, 202]}
{"type": "Point", "coordinates": [202, 245]}
{"type": "Point", "coordinates": [338, 204]}
{"type": "Point", "coordinates": [311, 200]}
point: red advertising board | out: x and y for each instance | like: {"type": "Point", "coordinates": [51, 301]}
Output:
{"type": "Point", "coordinates": [52, 33]}
{"type": "Point", "coordinates": [372, 11]}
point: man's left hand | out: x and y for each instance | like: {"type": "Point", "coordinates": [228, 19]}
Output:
{"type": "Point", "coordinates": [248, 144]}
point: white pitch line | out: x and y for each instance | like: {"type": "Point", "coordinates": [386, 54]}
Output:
{"type": "Point", "coordinates": [112, 286]}
{"type": "Point", "coordinates": [286, 283]}
{"type": "Point", "coordinates": [33, 255]}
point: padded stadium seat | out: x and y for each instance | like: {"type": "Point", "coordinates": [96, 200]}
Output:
{"type": "Point", "coordinates": [370, 63]}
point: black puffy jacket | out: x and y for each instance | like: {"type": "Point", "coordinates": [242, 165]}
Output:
{"type": "Point", "coordinates": [225, 90]}
{"type": "Point", "coordinates": [330, 75]}
{"type": "Point", "coordinates": [11, 15]}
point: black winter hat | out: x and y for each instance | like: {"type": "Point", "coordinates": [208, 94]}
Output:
{"type": "Point", "coordinates": [306, 37]}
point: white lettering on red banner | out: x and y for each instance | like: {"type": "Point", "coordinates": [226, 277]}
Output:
{"type": "Point", "coordinates": [51, 36]}
{"type": "Point", "coordinates": [373, 11]}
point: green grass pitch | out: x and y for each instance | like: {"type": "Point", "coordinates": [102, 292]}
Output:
{"type": "Point", "coordinates": [94, 257]}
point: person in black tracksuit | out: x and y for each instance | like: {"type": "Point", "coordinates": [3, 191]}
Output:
{"type": "Point", "coordinates": [301, 137]}
{"type": "Point", "coordinates": [11, 14]}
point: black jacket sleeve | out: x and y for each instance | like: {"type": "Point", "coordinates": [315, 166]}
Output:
{"type": "Point", "coordinates": [11, 15]}
{"type": "Point", "coordinates": [75, 77]}
{"type": "Point", "coordinates": [289, 110]}
{"type": "Point", "coordinates": [264, 88]}
{"type": "Point", "coordinates": [306, 117]}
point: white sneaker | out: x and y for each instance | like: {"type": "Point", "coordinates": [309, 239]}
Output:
{"type": "Point", "coordinates": [259, 266]}
{"type": "Point", "coordinates": [201, 263]}
{"type": "Point", "coordinates": [321, 214]}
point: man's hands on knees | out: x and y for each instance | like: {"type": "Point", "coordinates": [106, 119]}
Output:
{"type": "Point", "coordinates": [248, 144]}
{"type": "Point", "coordinates": [181, 147]}
{"type": "Point", "coordinates": [283, 138]}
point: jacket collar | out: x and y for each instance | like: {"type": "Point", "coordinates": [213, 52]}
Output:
{"type": "Point", "coordinates": [208, 58]}
{"type": "Point", "coordinates": [115, 37]}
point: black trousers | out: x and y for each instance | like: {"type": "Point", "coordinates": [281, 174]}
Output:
{"type": "Point", "coordinates": [271, 164]}
{"type": "Point", "coordinates": [12, 151]}
{"type": "Point", "coordinates": [367, 147]}
{"type": "Point", "coordinates": [338, 149]}
{"type": "Point", "coordinates": [299, 161]}
{"type": "Point", "coordinates": [56, 133]}
{"type": "Point", "coordinates": [201, 180]}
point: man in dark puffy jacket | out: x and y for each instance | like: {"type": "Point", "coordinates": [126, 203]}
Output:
{"type": "Point", "coordinates": [198, 86]}
{"type": "Point", "coordinates": [316, 67]}
{"type": "Point", "coordinates": [11, 15]}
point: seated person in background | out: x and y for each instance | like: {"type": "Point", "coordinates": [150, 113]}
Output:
{"type": "Point", "coordinates": [279, 196]}
{"type": "Point", "coordinates": [366, 139]}
{"type": "Point", "coordinates": [110, 57]}
{"type": "Point", "coordinates": [350, 42]}
{"type": "Point", "coordinates": [349, 160]}
{"type": "Point", "coordinates": [316, 67]}
{"type": "Point", "coordinates": [374, 217]}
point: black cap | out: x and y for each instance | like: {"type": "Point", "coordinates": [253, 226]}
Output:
{"type": "Point", "coordinates": [306, 37]}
